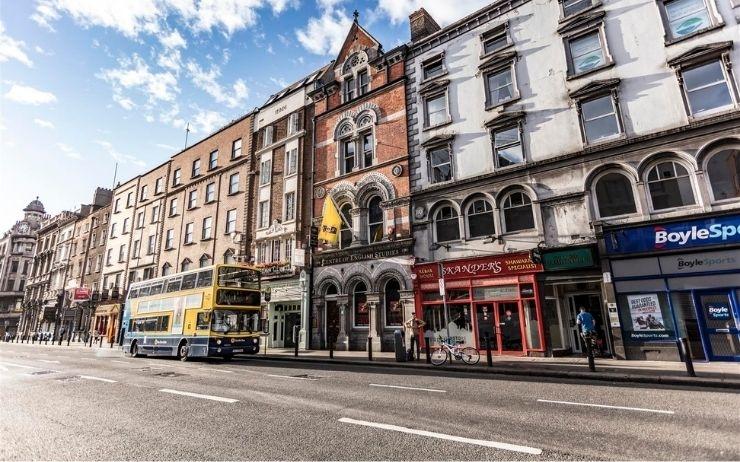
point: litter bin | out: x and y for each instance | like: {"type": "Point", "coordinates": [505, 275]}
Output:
{"type": "Point", "coordinates": [400, 346]}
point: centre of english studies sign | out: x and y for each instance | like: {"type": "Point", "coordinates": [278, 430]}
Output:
{"type": "Point", "coordinates": [373, 252]}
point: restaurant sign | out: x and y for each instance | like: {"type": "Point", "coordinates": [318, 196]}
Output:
{"type": "Point", "coordinates": [499, 265]}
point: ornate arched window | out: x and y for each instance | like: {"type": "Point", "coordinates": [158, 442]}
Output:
{"type": "Point", "coordinates": [669, 186]}
{"type": "Point", "coordinates": [517, 212]}
{"type": "Point", "coordinates": [723, 169]}
{"type": "Point", "coordinates": [392, 303]}
{"type": "Point", "coordinates": [345, 232]}
{"type": "Point", "coordinates": [229, 257]}
{"type": "Point", "coordinates": [614, 195]}
{"type": "Point", "coordinates": [205, 260]}
{"type": "Point", "coordinates": [186, 264]}
{"type": "Point", "coordinates": [359, 304]}
{"type": "Point", "coordinates": [166, 269]}
{"type": "Point", "coordinates": [480, 218]}
{"type": "Point", "coordinates": [446, 224]}
{"type": "Point", "coordinates": [374, 220]}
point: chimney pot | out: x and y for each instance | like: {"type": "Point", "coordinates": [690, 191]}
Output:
{"type": "Point", "coordinates": [422, 24]}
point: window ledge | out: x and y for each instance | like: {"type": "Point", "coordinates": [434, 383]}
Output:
{"type": "Point", "coordinates": [618, 136]}
{"type": "Point", "coordinates": [236, 157]}
{"type": "Point", "coordinates": [195, 176]}
{"type": "Point", "coordinates": [206, 239]}
{"type": "Point", "coordinates": [440, 125]}
{"type": "Point", "coordinates": [234, 193]}
{"type": "Point", "coordinates": [503, 104]}
{"type": "Point", "coordinates": [490, 54]}
{"type": "Point", "coordinates": [672, 41]}
{"type": "Point", "coordinates": [514, 233]}
{"type": "Point", "coordinates": [714, 112]}
{"type": "Point", "coordinates": [432, 79]}
{"type": "Point", "coordinates": [192, 208]}
{"type": "Point", "coordinates": [213, 169]}
{"type": "Point", "coordinates": [210, 202]}
{"type": "Point", "coordinates": [167, 249]}
{"type": "Point", "coordinates": [173, 215]}
{"type": "Point", "coordinates": [590, 71]}
{"type": "Point", "coordinates": [189, 243]}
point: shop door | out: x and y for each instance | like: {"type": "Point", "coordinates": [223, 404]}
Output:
{"type": "Point", "coordinates": [332, 322]}
{"type": "Point", "coordinates": [592, 303]}
{"type": "Point", "coordinates": [485, 320]}
{"type": "Point", "coordinates": [291, 320]}
{"type": "Point", "coordinates": [720, 317]}
{"type": "Point", "coordinates": [508, 317]}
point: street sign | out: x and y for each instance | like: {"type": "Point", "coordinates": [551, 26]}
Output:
{"type": "Point", "coordinates": [81, 294]}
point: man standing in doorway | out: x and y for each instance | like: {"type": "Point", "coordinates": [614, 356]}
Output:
{"type": "Point", "coordinates": [587, 327]}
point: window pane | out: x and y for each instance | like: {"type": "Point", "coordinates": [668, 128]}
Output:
{"type": "Point", "coordinates": [518, 217]}
{"type": "Point", "coordinates": [393, 313]}
{"type": "Point", "coordinates": [687, 16]}
{"type": "Point", "coordinates": [597, 107]}
{"type": "Point", "coordinates": [436, 110]}
{"type": "Point", "coordinates": [508, 147]}
{"type": "Point", "coordinates": [603, 127]}
{"type": "Point", "coordinates": [674, 192]}
{"type": "Point", "coordinates": [500, 87]}
{"type": "Point", "coordinates": [571, 7]}
{"type": "Point", "coordinates": [494, 44]}
{"type": "Point", "coordinates": [433, 69]}
{"type": "Point", "coordinates": [586, 53]}
{"type": "Point", "coordinates": [614, 195]}
{"type": "Point", "coordinates": [448, 230]}
{"type": "Point", "coordinates": [481, 224]}
{"type": "Point", "coordinates": [724, 174]}
{"type": "Point", "coordinates": [441, 168]}
{"type": "Point", "coordinates": [708, 98]}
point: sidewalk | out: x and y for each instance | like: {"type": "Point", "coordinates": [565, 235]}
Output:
{"type": "Point", "coordinates": [714, 375]}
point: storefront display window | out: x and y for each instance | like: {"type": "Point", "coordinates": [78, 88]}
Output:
{"type": "Point", "coordinates": [359, 302]}
{"type": "Point", "coordinates": [646, 317]}
{"type": "Point", "coordinates": [393, 314]}
{"type": "Point", "coordinates": [459, 324]}
{"type": "Point", "coordinates": [533, 325]}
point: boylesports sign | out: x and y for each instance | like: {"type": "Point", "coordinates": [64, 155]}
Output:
{"type": "Point", "coordinates": [681, 235]}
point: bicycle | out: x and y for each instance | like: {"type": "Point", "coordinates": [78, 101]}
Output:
{"type": "Point", "coordinates": [446, 351]}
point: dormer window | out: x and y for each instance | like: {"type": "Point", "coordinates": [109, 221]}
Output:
{"type": "Point", "coordinates": [496, 39]}
{"type": "Point", "coordinates": [433, 68]}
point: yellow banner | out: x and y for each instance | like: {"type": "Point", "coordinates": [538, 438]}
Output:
{"type": "Point", "coordinates": [331, 223]}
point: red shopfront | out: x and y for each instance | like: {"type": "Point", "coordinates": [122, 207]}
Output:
{"type": "Point", "coordinates": [493, 296]}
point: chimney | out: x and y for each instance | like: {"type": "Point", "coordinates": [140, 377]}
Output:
{"type": "Point", "coordinates": [422, 24]}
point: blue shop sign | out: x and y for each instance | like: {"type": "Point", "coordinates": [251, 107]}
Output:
{"type": "Point", "coordinates": [672, 236]}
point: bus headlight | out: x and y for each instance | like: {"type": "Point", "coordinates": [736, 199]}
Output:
{"type": "Point", "coordinates": [255, 341]}
{"type": "Point", "coordinates": [218, 342]}
{"type": "Point", "coordinates": [218, 350]}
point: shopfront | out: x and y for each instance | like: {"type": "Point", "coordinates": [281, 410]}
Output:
{"type": "Point", "coordinates": [105, 320]}
{"type": "Point", "coordinates": [284, 311]}
{"type": "Point", "coordinates": [494, 297]}
{"type": "Point", "coordinates": [678, 279]}
{"type": "Point", "coordinates": [571, 280]}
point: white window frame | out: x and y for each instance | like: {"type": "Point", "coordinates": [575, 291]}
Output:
{"type": "Point", "coordinates": [604, 46]}
{"type": "Point", "coordinates": [728, 80]}
{"type": "Point", "coordinates": [435, 220]}
{"type": "Point", "coordinates": [265, 172]}
{"type": "Point", "coordinates": [230, 218]}
{"type": "Point", "coordinates": [264, 214]}
{"type": "Point", "coordinates": [234, 186]}
{"type": "Point", "coordinates": [169, 242]}
{"type": "Point", "coordinates": [715, 20]}
{"type": "Point", "coordinates": [293, 123]}
{"type": "Point", "coordinates": [213, 160]}
{"type": "Point", "coordinates": [692, 181]}
{"type": "Point", "coordinates": [511, 68]}
{"type": "Point", "coordinates": [188, 234]}
{"type": "Point", "coordinates": [195, 168]}
{"type": "Point", "coordinates": [430, 170]}
{"type": "Point", "coordinates": [267, 136]}
{"type": "Point", "coordinates": [707, 175]}
{"type": "Point", "coordinates": [613, 98]}
{"type": "Point", "coordinates": [468, 214]}
{"type": "Point", "coordinates": [291, 162]}
{"type": "Point", "coordinates": [425, 106]}
{"type": "Point", "coordinates": [503, 128]}
{"type": "Point", "coordinates": [503, 208]}
{"type": "Point", "coordinates": [211, 193]}
{"type": "Point", "coordinates": [236, 151]}
{"type": "Point", "coordinates": [595, 196]}
{"type": "Point", "coordinates": [173, 207]}
{"type": "Point", "coordinates": [192, 199]}
{"type": "Point", "coordinates": [289, 212]}
{"type": "Point", "coordinates": [207, 228]}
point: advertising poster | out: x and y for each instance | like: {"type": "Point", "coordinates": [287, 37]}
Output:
{"type": "Point", "coordinates": [645, 312]}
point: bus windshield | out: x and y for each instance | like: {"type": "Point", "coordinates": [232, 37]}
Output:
{"type": "Point", "coordinates": [237, 297]}
{"type": "Point", "coordinates": [242, 278]}
{"type": "Point", "coordinates": [226, 321]}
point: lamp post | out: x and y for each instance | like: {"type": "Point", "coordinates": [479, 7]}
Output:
{"type": "Point", "coordinates": [442, 288]}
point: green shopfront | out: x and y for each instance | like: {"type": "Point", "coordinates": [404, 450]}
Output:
{"type": "Point", "coordinates": [572, 279]}
{"type": "Point", "coordinates": [678, 279]}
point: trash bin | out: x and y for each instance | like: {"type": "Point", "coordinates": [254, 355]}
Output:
{"type": "Point", "coordinates": [400, 346]}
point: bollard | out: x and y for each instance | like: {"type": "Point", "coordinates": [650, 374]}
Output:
{"type": "Point", "coordinates": [369, 348]}
{"type": "Point", "coordinates": [331, 348]}
{"type": "Point", "coordinates": [47, 341]}
{"type": "Point", "coordinates": [101, 341]}
{"type": "Point", "coordinates": [427, 348]}
{"type": "Point", "coordinates": [91, 341]}
{"type": "Point", "coordinates": [295, 339]}
{"type": "Point", "coordinates": [489, 358]}
{"type": "Point", "coordinates": [685, 354]}
{"type": "Point", "coordinates": [69, 338]}
{"type": "Point", "coordinates": [590, 354]}
{"type": "Point", "coordinates": [60, 339]}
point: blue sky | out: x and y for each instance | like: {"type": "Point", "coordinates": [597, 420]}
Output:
{"type": "Point", "coordinates": [88, 83]}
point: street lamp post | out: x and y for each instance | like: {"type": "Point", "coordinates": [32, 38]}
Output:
{"type": "Point", "coordinates": [443, 292]}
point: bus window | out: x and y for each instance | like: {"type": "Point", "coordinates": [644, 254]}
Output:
{"type": "Point", "coordinates": [193, 301]}
{"type": "Point", "coordinates": [243, 278]}
{"type": "Point", "coordinates": [235, 321]}
{"type": "Point", "coordinates": [156, 289]}
{"type": "Point", "coordinates": [164, 323]}
{"type": "Point", "coordinates": [133, 293]}
{"type": "Point", "coordinates": [144, 291]}
{"type": "Point", "coordinates": [205, 278]}
{"type": "Point", "coordinates": [150, 324]}
{"type": "Point", "coordinates": [188, 281]}
{"type": "Point", "coordinates": [237, 297]}
{"type": "Point", "coordinates": [202, 321]}
{"type": "Point", "coordinates": [173, 284]}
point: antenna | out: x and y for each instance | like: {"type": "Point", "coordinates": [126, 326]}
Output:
{"type": "Point", "coordinates": [115, 174]}
{"type": "Point", "coordinates": [187, 132]}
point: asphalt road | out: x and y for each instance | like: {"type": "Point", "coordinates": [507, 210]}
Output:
{"type": "Point", "coordinates": [64, 403]}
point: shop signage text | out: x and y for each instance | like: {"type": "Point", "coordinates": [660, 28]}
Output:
{"type": "Point", "coordinates": [480, 267]}
{"type": "Point", "coordinates": [671, 236]}
{"type": "Point", "coordinates": [568, 259]}
{"type": "Point", "coordinates": [718, 311]}
{"type": "Point", "coordinates": [354, 255]}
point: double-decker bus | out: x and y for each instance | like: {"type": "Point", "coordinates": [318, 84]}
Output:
{"type": "Point", "coordinates": [212, 311]}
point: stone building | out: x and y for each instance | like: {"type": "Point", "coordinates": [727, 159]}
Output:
{"type": "Point", "coordinates": [17, 247]}
{"type": "Point", "coordinates": [92, 276]}
{"type": "Point", "coordinates": [206, 208]}
{"type": "Point", "coordinates": [282, 203]}
{"type": "Point", "coordinates": [562, 127]}
{"type": "Point", "coordinates": [146, 236]}
{"type": "Point", "coordinates": [362, 285]}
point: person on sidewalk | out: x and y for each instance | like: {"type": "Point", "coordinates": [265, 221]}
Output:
{"type": "Point", "coordinates": [415, 325]}
{"type": "Point", "coordinates": [586, 325]}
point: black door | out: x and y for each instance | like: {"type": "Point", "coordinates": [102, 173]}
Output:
{"type": "Point", "coordinates": [291, 320]}
{"type": "Point", "coordinates": [485, 319]}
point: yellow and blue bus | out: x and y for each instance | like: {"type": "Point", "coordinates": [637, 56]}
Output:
{"type": "Point", "coordinates": [212, 311]}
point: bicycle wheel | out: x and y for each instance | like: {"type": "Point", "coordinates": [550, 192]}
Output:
{"type": "Point", "coordinates": [470, 356]}
{"type": "Point", "coordinates": [439, 356]}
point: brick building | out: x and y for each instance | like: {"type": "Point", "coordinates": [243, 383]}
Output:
{"type": "Point", "coordinates": [362, 285]}
{"type": "Point", "coordinates": [282, 203]}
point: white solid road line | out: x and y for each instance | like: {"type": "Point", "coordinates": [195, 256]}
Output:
{"type": "Point", "coordinates": [99, 379]}
{"type": "Point", "coordinates": [216, 370]}
{"type": "Point", "coordinates": [407, 388]}
{"type": "Point", "coordinates": [120, 362]}
{"type": "Point", "coordinates": [49, 361]}
{"type": "Point", "coordinates": [442, 436]}
{"type": "Point", "coordinates": [18, 365]}
{"type": "Point", "coordinates": [198, 395]}
{"type": "Point", "coordinates": [639, 409]}
{"type": "Point", "coordinates": [289, 377]}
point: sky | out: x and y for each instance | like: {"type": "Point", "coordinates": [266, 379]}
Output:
{"type": "Point", "coordinates": [88, 84]}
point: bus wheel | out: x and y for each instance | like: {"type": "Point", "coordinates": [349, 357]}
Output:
{"type": "Point", "coordinates": [134, 350]}
{"type": "Point", "coordinates": [182, 351]}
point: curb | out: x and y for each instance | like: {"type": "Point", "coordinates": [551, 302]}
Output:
{"type": "Point", "coordinates": [572, 375]}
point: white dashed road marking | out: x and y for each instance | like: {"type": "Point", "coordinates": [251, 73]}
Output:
{"type": "Point", "coordinates": [198, 395]}
{"type": "Point", "coordinates": [99, 379]}
{"type": "Point", "coordinates": [50, 361]}
{"type": "Point", "coordinates": [289, 377]}
{"type": "Point", "coordinates": [639, 409]}
{"type": "Point", "coordinates": [442, 436]}
{"type": "Point", "coordinates": [408, 388]}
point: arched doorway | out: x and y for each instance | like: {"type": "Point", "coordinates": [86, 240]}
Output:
{"type": "Point", "coordinates": [332, 318]}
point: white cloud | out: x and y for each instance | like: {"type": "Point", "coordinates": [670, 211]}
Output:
{"type": "Point", "coordinates": [280, 82]}
{"type": "Point", "coordinates": [123, 101]}
{"type": "Point", "coordinates": [173, 40]}
{"type": "Point", "coordinates": [118, 156]}
{"type": "Point", "coordinates": [28, 95]}
{"type": "Point", "coordinates": [43, 123]}
{"type": "Point", "coordinates": [134, 74]}
{"type": "Point", "coordinates": [69, 151]}
{"type": "Point", "coordinates": [325, 35]}
{"type": "Point", "coordinates": [270, 50]}
{"type": "Point", "coordinates": [207, 121]}
{"type": "Point", "coordinates": [444, 12]}
{"type": "Point", "coordinates": [12, 49]}
{"type": "Point", "coordinates": [208, 82]}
